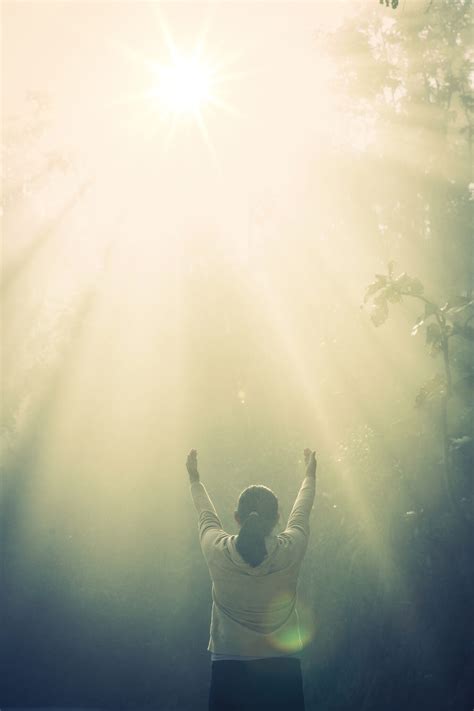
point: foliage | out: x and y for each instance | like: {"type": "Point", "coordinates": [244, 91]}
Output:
{"type": "Point", "coordinates": [441, 322]}
{"type": "Point", "coordinates": [392, 3]}
{"type": "Point", "coordinates": [390, 289]}
{"type": "Point", "coordinates": [406, 75]}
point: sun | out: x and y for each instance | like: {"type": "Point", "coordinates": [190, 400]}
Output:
{"type": "Point", "coordinates": [184, 87]}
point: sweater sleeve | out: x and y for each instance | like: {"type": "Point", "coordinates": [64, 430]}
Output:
{"type": "Point", "coordinates": [209, 525]}
{"type": "Point", "coordinates": [297, 529]}
{"type": "Point", "coordinates": [299, 516]}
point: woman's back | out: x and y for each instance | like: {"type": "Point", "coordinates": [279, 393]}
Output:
{"type": "Point", "coordinates": [254, 607]}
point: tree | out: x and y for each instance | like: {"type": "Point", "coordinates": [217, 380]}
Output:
{"type": "Point", "coordinates": [441, 324]}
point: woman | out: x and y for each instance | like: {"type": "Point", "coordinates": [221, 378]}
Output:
{"type": "Point", "coordinates": [254, 632]}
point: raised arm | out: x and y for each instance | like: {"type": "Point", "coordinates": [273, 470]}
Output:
{"type": "Point", "coordinates": [298, 520]}
{"type": "Point", "coordinates": [209, 525]}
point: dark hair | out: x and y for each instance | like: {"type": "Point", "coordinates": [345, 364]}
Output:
{"type": "Point", "coordinates": [258, 513]}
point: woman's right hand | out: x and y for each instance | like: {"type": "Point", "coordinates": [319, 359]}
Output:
{"type": "Point", "coordinates": [310, 461]}
{"type": "Point", "coordinates": [192, 466]}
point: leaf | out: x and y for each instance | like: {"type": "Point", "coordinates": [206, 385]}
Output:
{"type": "Point", "coordinates": [416, 287]}
{"type": "Point", "coordinates": [435, 387]}
{"type": "Point", "coordinates": [379, 311]}
{"type": "Point", "coordinates": [434, 338]}
{"type": "Point", "coordinates": [449, 329]}
{"type": "Point", "coordinates": [433, 333]}
{"type": "Point", "coordinates": [411, 285]}
{"type": "Point", "coordinates": [402, 279]}
{"type": "Point", "coordinates": [458, 304]}
{"type": "Point", "coordinates": [393, 294]}
{"type": "Point", "coordinates": [460, 442]}
{"type": "Point", "coordinates": [379, 283]}
{"type": "Point", "coordinates": [430, 310]}
{"type": "Point", "coordinates": [418, 324]}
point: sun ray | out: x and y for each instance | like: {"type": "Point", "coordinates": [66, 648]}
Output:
{"type": "Point", "coordinates": [205, 135]}
{"type": "Point", "coordinates": [231, 58]}
{"type": "Point", "coordinates": [124, 99]}
{"type": "Point", "coordinates": [224, 78]}
{"type": "Point", "coordinates": [169, 136]}
{"type": "Point", "coordinates": [165, 31]}
{"type": "Point", "coordinates": [228, 108]}
{"type": "Point", "coordinates": [203, 34]}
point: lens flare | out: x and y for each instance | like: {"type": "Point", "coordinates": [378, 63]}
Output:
{"type": "Point", "coordinates": [293, 638]}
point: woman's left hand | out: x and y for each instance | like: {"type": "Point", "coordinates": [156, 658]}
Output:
{"type": "Point", "coordinates": [191, 466]}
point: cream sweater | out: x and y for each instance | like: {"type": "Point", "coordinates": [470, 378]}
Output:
{"type": "Point", "coordinates": [254, 609]}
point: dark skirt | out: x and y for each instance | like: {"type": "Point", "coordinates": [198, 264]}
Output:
{"type": "Point", "coordinates": [273, 684]}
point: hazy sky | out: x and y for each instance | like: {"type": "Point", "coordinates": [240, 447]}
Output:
{"type": "Point", "coordinates": [91, 57]}
{"type": "Point", "coordinates": [167, 359]}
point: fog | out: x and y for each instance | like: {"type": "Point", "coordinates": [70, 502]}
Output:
{"type": "Point", "coordinates": [177, 279]}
